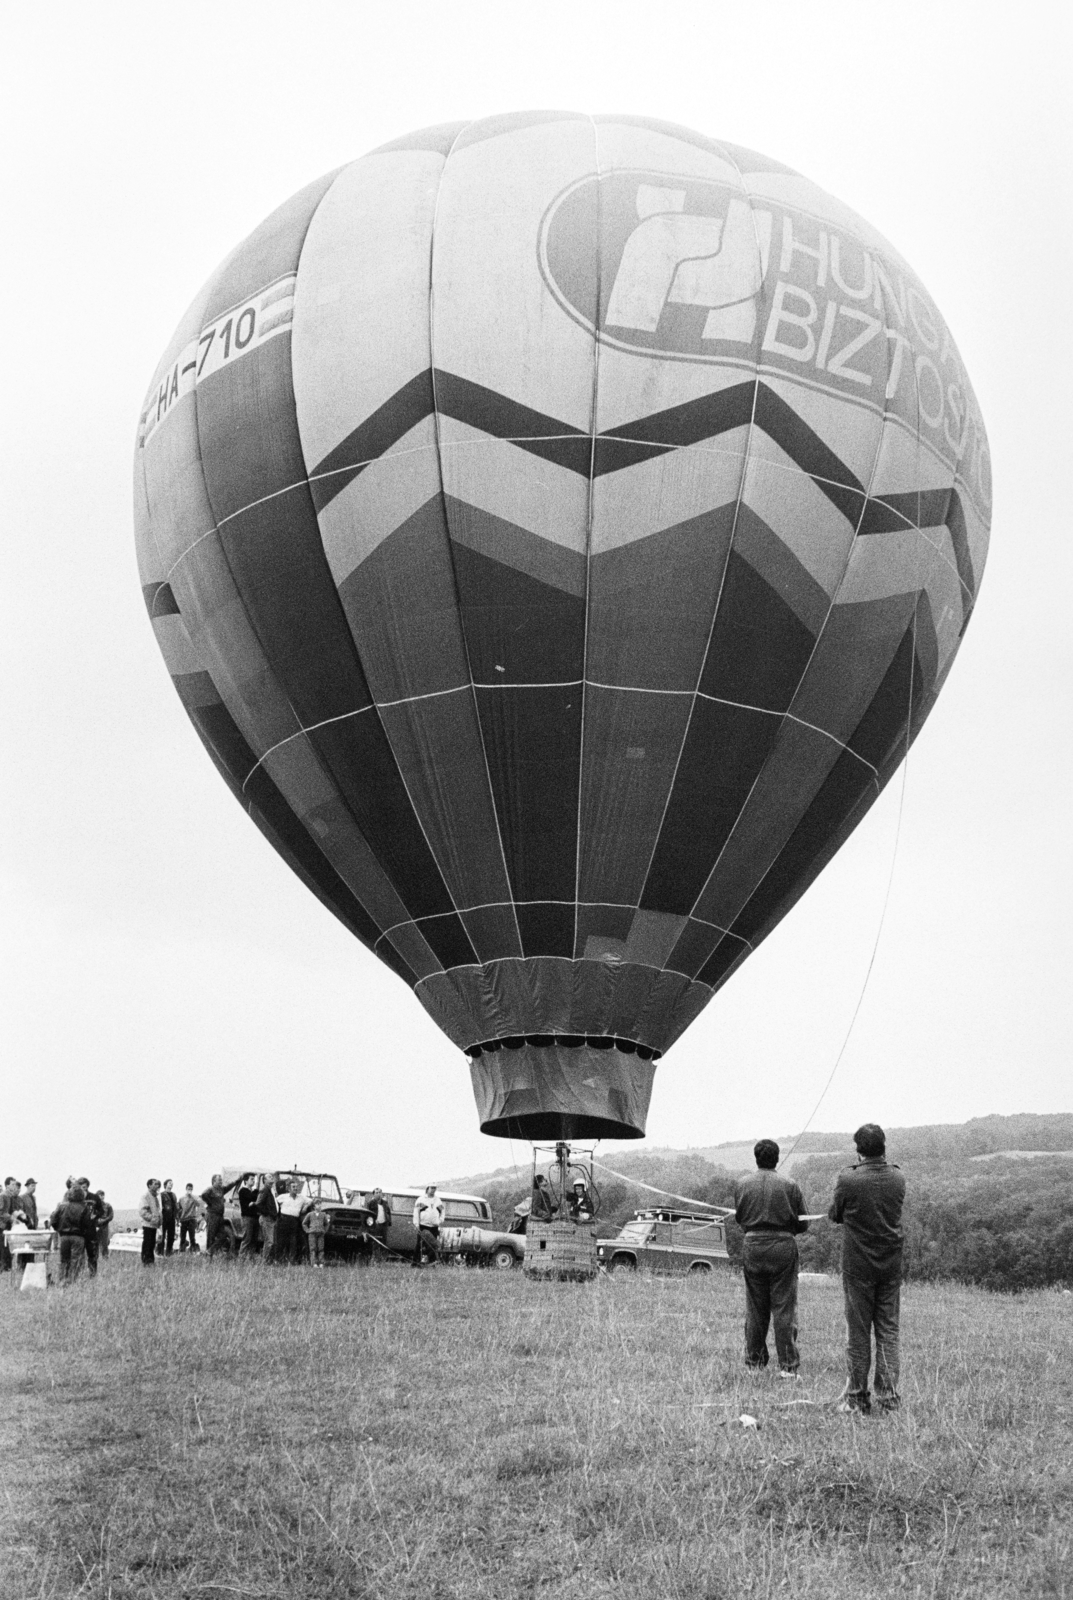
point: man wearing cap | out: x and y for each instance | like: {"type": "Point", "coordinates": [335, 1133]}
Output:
{"type": "Point", "coordinates": [768, 1210]}
{"type": "Point", "coordinates": [868, 1205]}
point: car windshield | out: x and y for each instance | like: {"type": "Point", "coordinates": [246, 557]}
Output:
{"type": "Point", "coordinates": [319, 1186]}
{"type": "Point", "coordinates": [637, 1232]}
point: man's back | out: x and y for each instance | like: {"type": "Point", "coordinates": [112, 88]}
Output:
{"type": "Point", "coordinates": [768, 1202]}
{"type": "Point", "coordinates": [868, 1202]}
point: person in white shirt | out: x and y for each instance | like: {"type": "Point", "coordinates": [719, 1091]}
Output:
{"type": "Point", "coordinates": [428, 1219]}
{"type": "Point", "coordinates": [292, 1206]}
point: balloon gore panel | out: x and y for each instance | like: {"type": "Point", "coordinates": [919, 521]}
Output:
{"type": "Point", "coordinates": [557, 530]}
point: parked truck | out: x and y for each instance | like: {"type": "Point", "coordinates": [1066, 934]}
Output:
{"type": "Point", "coordinates": [348, 1222]}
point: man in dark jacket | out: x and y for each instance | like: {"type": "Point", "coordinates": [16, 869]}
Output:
{"type": "Point", "coordinates": [9, 1209]}
{"type": "Point", "coordinates": [247, 1207]}
{"type": "Point", "coordinates": [267, 1207]}
{"type": "Point", "coordinates": [380, 1207]}
{"type": "Point", "coordinates": [28, 1202]}
{"type": "Point", "coordinates": [768, 1210]}
{"type": "Point", "coordinates": [169, 1211]}
{"type": "Point", "coordinates": [105, 1218]}
{"type": "Point", "coordinates": [74, 1221]}
{"type": "Point", "coordinates": [215, 1235]}
{"type": "Point", "coordinates": [868, 1204]}
{"type": "Point", "coordinates": [93, 1207]}
{"type": "Point", "coordinates": [542, 1207]}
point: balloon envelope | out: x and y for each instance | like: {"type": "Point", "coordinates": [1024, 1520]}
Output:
{"type": "Point", "coordinates": [557, 529]}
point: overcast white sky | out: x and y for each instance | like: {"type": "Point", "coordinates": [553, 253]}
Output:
{"type": "Point", "coordinates": [173, 997]}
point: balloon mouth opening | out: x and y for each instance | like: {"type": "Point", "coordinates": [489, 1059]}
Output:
{"type": "Point", "coordinates": [549, 1125]}
{"type": "Point", "coordinates": [565, 1041]}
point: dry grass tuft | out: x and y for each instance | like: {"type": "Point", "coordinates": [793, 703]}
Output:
{"type": "Point", "coordinates": [209, 1430]}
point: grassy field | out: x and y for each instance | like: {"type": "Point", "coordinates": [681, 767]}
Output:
{"type": "Point", "coordinates": [211, 1430]}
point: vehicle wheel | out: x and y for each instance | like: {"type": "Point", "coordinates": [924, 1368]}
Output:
{"type": "Point", "coordinates": [703, 1267]}
{"type": "Point", "coordinates": [503, 1258]}
{"type": "Point", "coordinates": [620, 1262]}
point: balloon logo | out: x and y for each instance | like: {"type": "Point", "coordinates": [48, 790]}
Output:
{"type": "Point", "coordinates": [556, 530]}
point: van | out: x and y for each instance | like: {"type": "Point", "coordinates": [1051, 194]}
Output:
{"type": "Point", "coordinates": [460, 1211]}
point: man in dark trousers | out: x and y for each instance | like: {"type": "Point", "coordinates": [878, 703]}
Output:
{"type": "Point", "coordinates": [9, 1208]}
{"type": "Point", "coordinates": [105, 1218]}
{"type": "Point", "coordinates": [189, 1212]}
{"type": "Point", "coordinates": [169, 1211]}
{"type": "Point", "coordinates": [267, 1216]}
{"type": "Point", "coordinates": [93, 1205]}
{"type": "Point", "coordinates": [768, 1210]}
{"type": "Point", "coordinates": [74, 1221]}
{"type": "Point", "coordinates": [380, 1206]}
{"type": "Point", "coordinates": [149, 1217]}
{"type": "Point", "coordinates": [28, 1202]}
{"type": "Point", "coordinates": [868, 1204]}
{"type": "Point", "coordinates": [216, 1237]}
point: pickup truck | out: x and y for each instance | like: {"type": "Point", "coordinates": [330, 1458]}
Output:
{"type": "Point", "coordinates": [467, 1233]}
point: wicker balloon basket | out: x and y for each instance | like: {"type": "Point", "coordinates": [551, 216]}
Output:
{"type": "Point", "coordinates": [561, 1250]}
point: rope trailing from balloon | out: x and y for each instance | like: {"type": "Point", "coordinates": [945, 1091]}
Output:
{"type": "Point", "coordinates": [882, 914]}
{"type": "Point", "coordinates": [724, 1211]}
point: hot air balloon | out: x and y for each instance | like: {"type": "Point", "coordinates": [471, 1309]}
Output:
{"type": "Point", "coordinates": [557, 529]}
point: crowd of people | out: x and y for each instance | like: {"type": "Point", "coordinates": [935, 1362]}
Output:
{"type": "Point", "coordinates": [278, 1222]}
{"type": "Point", "coordinates": [82, 1219]}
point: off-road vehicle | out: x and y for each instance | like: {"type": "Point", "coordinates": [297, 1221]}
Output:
{"type": "Point", "coordinates": [667, 1242]}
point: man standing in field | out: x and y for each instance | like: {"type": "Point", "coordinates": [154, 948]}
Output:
{"type": "Point", "coordinates": [768, 1210]}
{"type": "Point", "coordinates": [93, 1206]}
{"type": "Point", "coordinates": [868, 1204]}
{"type": "Point", "coordinates": [74, 1222]}
{"type": "Point", "coordinates": [105, 1218]}
{"type": "Point", "coordinates": [169, 1210]}
{"type": "Point", "coordinates": [189, 1212]}
{"type": "Point", "coordinates": [267, 1214]}
{"type": "Point", "coordinates": [28, 1202]}
{"type": "Point", "coordinates": [380, 1207]}
{"type": "Point", "coordinates": [149, 1215]}
{"type": "Point", "coordinates": [292, 1207]}
{"type": "Point", "coordinates": [9, 1207]}
{"type": "Point", "coordinates": [428, 1219]}
{"type": "Point", "coordinates": [213, 1198]}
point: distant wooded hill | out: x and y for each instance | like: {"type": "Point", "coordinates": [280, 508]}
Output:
{"type": "Point", "coordinates": [978, 1210]}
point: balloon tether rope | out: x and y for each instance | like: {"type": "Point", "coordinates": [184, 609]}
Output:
{"type": "Point", "coordinates": [882, 914]}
